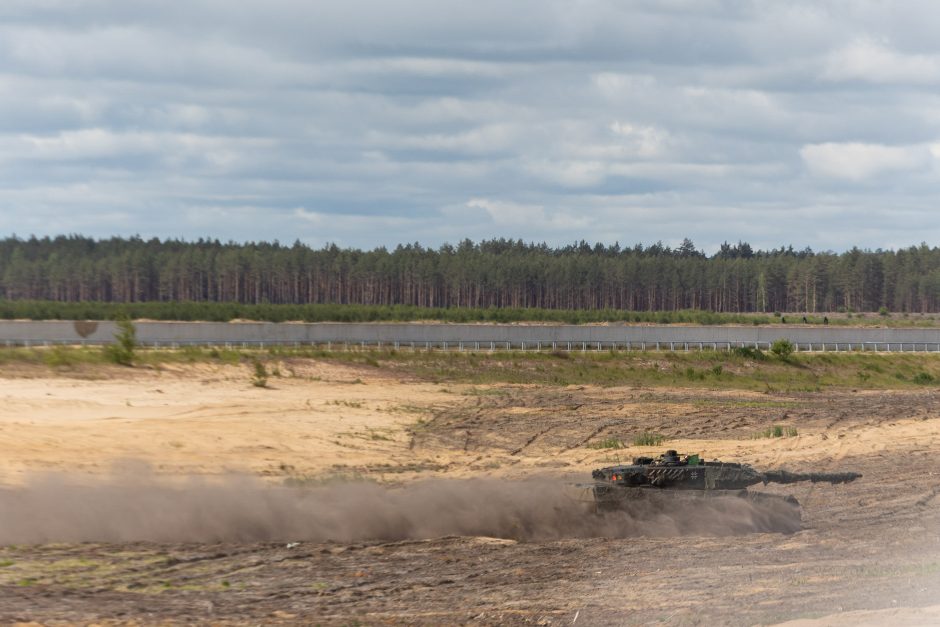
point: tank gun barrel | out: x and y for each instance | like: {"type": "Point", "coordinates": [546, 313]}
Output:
{"type": "Point", "coordinates": [785, 476]}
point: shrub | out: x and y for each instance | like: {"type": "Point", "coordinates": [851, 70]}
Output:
{"type": "Point", "coordinates": [125, 342]}
{"type": "Point", "coordinates": [260, 378]}
{"type": "Point", "coordinates": [749, 353]}
{"type": "Point", "coordinates": [883, 311]}
{"type": "Point", "coordinates": [782, 348]}
{"type": "Point", "coordinates": [923, 378]}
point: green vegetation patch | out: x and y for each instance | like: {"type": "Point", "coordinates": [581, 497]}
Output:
{"type": "Point", "coordinates": [648, 439]}
{"type": "Point", "coordinates": [924, 378]}
{"type": "Point", "coordinates": [259, 377]}
{"type": "Point", "coordinates": [121, 351]}
{"type": "Point", "coordinates": [782, 348]}
{"type": "Point", "coordinates": [801, 372]}
{"type": "Point", "coordinates": [267, 312]}
{"type": "Point", "coordinates": [746, 352]}
{"type": "Point", "coordinates": [777, 431]}
{"type": "Point", "coordinates": [270, 312]}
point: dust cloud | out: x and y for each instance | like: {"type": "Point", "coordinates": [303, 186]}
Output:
{"type": "Point", "coordinates": [133, 504]}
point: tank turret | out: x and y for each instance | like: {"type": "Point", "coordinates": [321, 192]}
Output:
{"type": "Point", "coordinates": [670, 471]}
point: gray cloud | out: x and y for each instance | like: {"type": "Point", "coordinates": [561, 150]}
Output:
{"type": "Point", "coordinates": [372, 123]}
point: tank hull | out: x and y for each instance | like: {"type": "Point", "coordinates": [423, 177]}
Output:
{"type": "Point", "coordinates": [757, 511]}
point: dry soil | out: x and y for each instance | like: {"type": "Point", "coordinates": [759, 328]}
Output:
{"type": "Point", "coordinates": [345, 495]}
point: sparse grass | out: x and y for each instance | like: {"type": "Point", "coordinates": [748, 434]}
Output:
{"type": "Point", "coordinates": [411, 409]}
{"type": "Point", "coordinates": [60, 357]}
{"type": "Point", "coordinates": [613, 443]}
{"type": "Point", "coordinates": [777, 431]}
{"type": "Point", "coordinates": [370, 433]}
{"type": "Point", "coordinates": [648, 439]}
{"type": "Point", "coordinates": [52, 356]}
{"type": "Point", "coordinates": [897, 570]}
{"type": "Point", "coordinates": [485, 392]}
{"type": "Point", "coordinates": [707, 402]}
{"type": "Point", "coordinates": [352, 404]}
{"type": "Point", "coordinates": [421, 425]}
{"type": "Point", "coordinates": [739, 369]}
{"type": "Point", "coordinates": [42, 566]}
{"type": "Point", "coordinates": [338, 476]}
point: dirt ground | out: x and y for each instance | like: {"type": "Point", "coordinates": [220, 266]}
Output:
{"type": "Point", "coordinates": [430, 518]}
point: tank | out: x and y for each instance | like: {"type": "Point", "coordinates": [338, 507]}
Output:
{"type": "Point", "coordinates": [671, 477]}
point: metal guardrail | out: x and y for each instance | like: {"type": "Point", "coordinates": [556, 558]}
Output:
{"type": "Point", "coordinates": [527, 346]}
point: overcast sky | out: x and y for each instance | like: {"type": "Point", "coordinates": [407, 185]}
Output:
{"type": "Point", "coordinates": [371, 123]}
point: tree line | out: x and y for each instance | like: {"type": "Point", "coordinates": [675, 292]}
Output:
{"type": "Point", "coordinates": [226, 312]}
{"type": "Point", "coordinates": [497, 273]}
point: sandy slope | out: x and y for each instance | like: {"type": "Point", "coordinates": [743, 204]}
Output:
{"type": "Point", "coordinates": [202, 419]}
{"type": "Point", "coordinates": [322, 418]}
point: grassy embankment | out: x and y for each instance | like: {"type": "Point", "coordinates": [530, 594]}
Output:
{"type": "Point", "coordinates": [224, 312]}
{"type": "Point", "coordinates": [737, 370]}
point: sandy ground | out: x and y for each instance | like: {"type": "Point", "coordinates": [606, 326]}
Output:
{"type": "Point", "coordinates": [210, 420]}
{"type": "Point", "coordinates": [868, 553]}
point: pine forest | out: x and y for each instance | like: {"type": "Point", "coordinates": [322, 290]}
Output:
{"type": "Point", "coordinates": [498, 273]}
